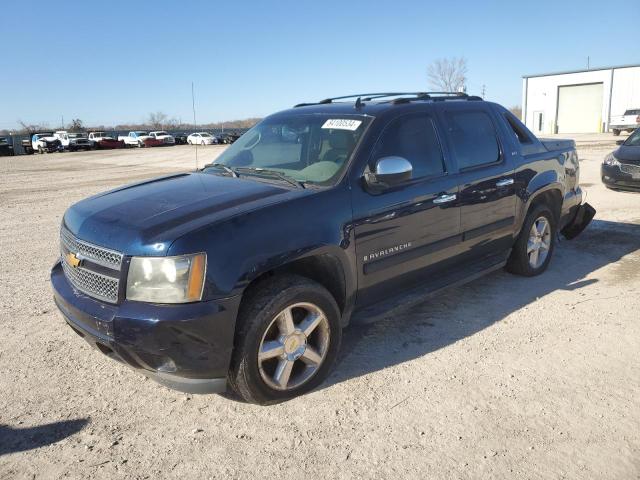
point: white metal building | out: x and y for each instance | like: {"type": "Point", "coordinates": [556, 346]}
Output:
{"type": "Point", "coordinates": [580, 101]}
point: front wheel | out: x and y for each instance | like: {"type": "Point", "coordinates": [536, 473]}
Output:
{"type": "Point", "coordinates": [288, 338]}
{"type": "Point", "coordinates": [532, 251]}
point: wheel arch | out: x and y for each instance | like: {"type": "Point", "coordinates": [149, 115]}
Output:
{"type": "Point", "coordinates": [324, 267]}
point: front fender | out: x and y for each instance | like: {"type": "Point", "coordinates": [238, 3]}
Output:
{"type": "Point", "coordinates": [242, 248]}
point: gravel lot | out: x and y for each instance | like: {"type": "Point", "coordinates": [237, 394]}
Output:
{"type": "Point", "coordinates": [505, 377]}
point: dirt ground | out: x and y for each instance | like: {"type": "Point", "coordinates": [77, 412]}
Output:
{"type": "Point", "coordinates": [506, 377]}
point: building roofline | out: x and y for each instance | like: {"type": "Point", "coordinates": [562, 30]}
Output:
{"type": "Point", "coordinates": [614, 67]}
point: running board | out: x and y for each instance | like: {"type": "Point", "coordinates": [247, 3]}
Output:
{"type": "Point", "coordinates": [415, 296]}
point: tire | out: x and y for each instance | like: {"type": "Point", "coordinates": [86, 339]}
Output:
{"type": "Point", "coordinates": [261, 321]}
{"type": "Point", "coordinates": [140, 144]}
{"type": "Point", "coordinates": [616, 132]}
{"type": "Point", "coordinates": [203, 143]}
{"type": "Point", "coordinates": [40, 150]}
{"type": "Point", "coordinates": [521, 261]}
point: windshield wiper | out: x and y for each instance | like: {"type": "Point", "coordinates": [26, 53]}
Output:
{"type": "Point", "coordinates": [273, 173]}
{"type": "Point", "coordinates": [227, 169]}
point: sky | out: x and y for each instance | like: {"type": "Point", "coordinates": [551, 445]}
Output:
{"type": "Point", "coordinates": [116, 61]}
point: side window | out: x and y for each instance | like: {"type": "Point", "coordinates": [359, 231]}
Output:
{"type": "Point", "coordinates": [414, 138]}
{"type": "Point", "coordinates": [519, 130]}
{"type": "Point", "coordinates": [473, 138]}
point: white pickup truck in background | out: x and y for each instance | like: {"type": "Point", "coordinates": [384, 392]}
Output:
{"type": "Point", "coordinates": [165, 137]}
{"type": "Point", "coordinates": [136, 138]}
{"type": "Point", "coordinates": [74, 141]}
{"type": "Point", "coordinates": [629, 121]}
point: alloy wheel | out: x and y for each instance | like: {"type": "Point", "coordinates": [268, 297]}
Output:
{"type": "Point", "coordinates": [539, 242]}
{"type": "Point", "coordinates": [294, 346]}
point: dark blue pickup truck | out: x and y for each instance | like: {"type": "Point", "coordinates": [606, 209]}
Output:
{"type": "Point", "coordinates": [243, 274]}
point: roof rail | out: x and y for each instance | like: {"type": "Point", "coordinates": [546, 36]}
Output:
{"type": "Point", "coordinates": [402, 97]}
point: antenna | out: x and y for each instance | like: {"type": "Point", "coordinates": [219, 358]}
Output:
{"type": "Point", "coordinates": [195, 125]}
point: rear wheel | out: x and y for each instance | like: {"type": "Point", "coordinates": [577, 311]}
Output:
{"type": "Point", "coordinates": [616, 132]}
{"type": "Point", "coordinates": [532, 251]}
{"type": "Point", "coordinates": [287, 340]}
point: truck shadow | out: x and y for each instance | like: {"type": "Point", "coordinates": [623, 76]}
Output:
{"type": "Point", "coordinates": [397, 337]}
{"type": "Point", "coordinates": [14, 440]}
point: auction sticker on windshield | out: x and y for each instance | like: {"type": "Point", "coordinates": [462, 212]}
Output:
{"type": "Point", "coordinates": [342, 124]}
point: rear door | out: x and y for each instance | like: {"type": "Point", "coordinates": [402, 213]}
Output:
{"type": "Point", "coordinates": [404, 235]}
{"type": "Point", "coordinates": [486, 174]}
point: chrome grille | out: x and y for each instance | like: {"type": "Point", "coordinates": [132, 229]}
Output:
{"type": "Point", "coordinates": [98, 274]}
{"type": "Point", "coordinates": [630, 169]}
{"type": "Point", "coordinates": [92, 283]}
{"type": "Point", "coordinates": [100, 255]}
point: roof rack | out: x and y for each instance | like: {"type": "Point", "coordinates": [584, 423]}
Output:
{"type": "Point", "coordinates": [402, 97]}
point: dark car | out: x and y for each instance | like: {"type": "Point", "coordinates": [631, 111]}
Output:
{"type": "Point", "coordinates": [6, 148]}
{"type": "Point", "coordinates": [181, 138]}
{"type": "Point", "coordinates": [243, 274]}
{"type": "Point", "coordinates": [227, 138]}
{"type": "Point", "coordinates": [621, 168]}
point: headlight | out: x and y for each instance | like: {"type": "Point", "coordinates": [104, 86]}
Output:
{"type": "Point", "coordinates": [611, 160]}
{"type": "Point", "coordinates": [167, 279]}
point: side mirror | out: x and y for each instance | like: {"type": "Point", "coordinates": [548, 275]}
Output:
{"type": "Point", "coordinates": [388, 172]}
{"type": "Point", "coordinates": [619, 142]}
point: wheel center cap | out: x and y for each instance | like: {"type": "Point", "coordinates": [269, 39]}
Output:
{"type": "Point", "coordinates": [294, 346]}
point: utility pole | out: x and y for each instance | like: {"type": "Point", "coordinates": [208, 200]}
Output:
{"type": "Point", "coordinates": [484, 90]}
{"type": "Point", "coordinates": [588, 63]}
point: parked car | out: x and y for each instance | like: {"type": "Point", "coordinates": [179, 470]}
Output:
{"type": "Point", "coordinates": [228, 138]}
{"type": "Point", "coordinates": [629, 121]}
{"type": "Point", "coordinates": [74, 141]}
{"type": "Point", "coordinates": [621, 168]}
{"type": "Point", "coordinates": [202, 138]}
{"type": "Point", "coordinates": [243, 274]}
{"type": "Point", "coordinates": [140, 138]}
{"type": "Point", "coordinates": [27, 147]}
{"type": "Point", "coordinates": [103, 141]}
{"type": "Point", "coordinates": [6, 148]}
{"type": "Point", "coordinates": [163, 136]}
{"type": "Point", "coordinates": [181, 138]}
{"type": "Point", "coordinates": [46, 142]}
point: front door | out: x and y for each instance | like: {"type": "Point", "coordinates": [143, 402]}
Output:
{"type": "Point", "coordinates": [403, 234]}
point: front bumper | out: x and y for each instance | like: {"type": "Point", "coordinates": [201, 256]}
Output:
{"type": "Point", "coordinates": [615, 179]}
{"type": "Point", "coordinates": [186, 347]}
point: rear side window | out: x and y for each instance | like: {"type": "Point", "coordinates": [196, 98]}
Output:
{"type": "Point", "coordinates": [632, 112]}
{"type": "Point", "coordinates": [412, 137]}
{"type": "Point", "coordinates": [519, 130]}
{"type": "Point", "coordinates": [473, 138]}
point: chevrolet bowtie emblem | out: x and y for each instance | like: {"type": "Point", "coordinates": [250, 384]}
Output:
{"type": "Point", "coordinates": [73, 260]}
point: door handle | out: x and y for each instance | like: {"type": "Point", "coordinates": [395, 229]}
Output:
{"type": "Point", "coordinates": [505, 182]}
{"type": "Point", "coordinates": [444, 198]}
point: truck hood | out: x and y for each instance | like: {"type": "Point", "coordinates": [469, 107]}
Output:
{"type": "Point", "coordinates": [146, 218]}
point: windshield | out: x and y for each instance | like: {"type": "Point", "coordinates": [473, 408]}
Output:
{"type": "Point", "coordinates": [98, 134]}
{"type": "Point", "coordinates": [205, 135]}
{"type": "Point", "coordinates": [141, 133]}
{"type": "Point", "coordinates": [77, 135]}
{"type": "Point", "coordinates": [161, 133]}
{"type": "Point", "coordinates": [632, 112]}
{"type": "Point", "coordinates": [307, 148]}
{"type": "Point", "coordinates": [634, 139]}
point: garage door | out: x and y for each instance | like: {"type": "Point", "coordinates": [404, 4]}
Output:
{"type": "Point", "coordinates": [580, 108]}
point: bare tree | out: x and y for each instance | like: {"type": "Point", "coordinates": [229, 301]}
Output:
{"type": "Point", "coordinates": [76, 125]}
{"type": "Point", "coordinates": [157, 119]}
{"type": "Point", "coordinates": [448, 74]}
